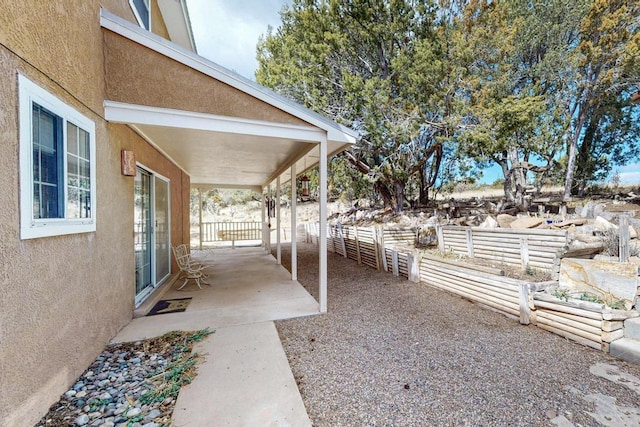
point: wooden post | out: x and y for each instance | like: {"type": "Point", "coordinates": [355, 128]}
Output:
{"type": "Point", "coordinates": [342, 244]}
{"type": "Point", "coordinates": [563, 211]}
{"type": "Point", "coordinates": [624, 238]}
{"type": "Point", "coordinates": [555, 274]}
{"type": "Point", "coordinates": [331, 237]}
{"type": "Point", "coordinates": [355, 235]}
{"type": "Point", "coordinates": [413, 264]}
{"type": "Point", "coordinates": [382, 249]}
{"type": "Point", "coordinates": [440, 234]}
{"type": "Point", "coordinates": [376, 246]}
{"type": "Point", "coordinates": [394, 263]}
{"type": "Point", "coordinates": [524, 252]}
{"type": "Point", "coordinates": [469, 233]}
{"type": "Point", "coordinates": [525, 311]}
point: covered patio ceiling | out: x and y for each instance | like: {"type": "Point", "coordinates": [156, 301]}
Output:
{"type": "Point", "coordinates": [223, 130]}
{"type": "Point", "coordinates": [225, 152]}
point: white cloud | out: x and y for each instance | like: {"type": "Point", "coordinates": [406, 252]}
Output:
{"type": "Point", "coordinates": [227, 31]}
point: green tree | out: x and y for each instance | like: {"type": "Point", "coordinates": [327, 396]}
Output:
{"type": "Point", "coordinates": [516, 53]}
{"type": "Point", "coordinates": [371, 65]}
{"type": "Point", "coordinates": [607, 66]}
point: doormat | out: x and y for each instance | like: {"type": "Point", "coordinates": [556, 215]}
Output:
{"type": "Point", "coordinates": [170, 306]}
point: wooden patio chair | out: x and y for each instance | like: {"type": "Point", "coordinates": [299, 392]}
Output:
{"type": "Point", "coordinates": [188, 268]}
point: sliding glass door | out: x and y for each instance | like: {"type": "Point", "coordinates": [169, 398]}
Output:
{"type": "Point", "coordinates": [152, 232]}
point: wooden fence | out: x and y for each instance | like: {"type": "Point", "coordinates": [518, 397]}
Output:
{"type": "Point", "coordinates": [393, 250]}
{"type": "Point", "coordinates": [525, 248]}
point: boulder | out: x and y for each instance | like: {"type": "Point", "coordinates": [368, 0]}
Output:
{"type": "Point", "coordinates": [427, 235]}
{"type": "Point", "coordinates": [585, 211]}
{"type": "Point", "coordinates": [601, 277]}
{"type": "Point", "coordinates": [489, 222]}
{"type": "Point", "coordinates": [527, 222]}
{"type": "Point", "coordinates": [603, 225]}
{"type": "Point", "coordinates": [505, 220]}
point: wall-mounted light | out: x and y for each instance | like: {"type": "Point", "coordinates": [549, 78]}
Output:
{"type": "Point", "coordinates": [128, 161]}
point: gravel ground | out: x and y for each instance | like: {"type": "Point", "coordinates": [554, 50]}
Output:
{"type": "Point", "coordinates": [393, 353]}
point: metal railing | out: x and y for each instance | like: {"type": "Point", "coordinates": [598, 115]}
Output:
{"type": "Point", "coordinates": [230, 231]}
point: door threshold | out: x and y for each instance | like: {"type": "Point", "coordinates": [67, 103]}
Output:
{"type": "Point", "coordinates": [154, 297]}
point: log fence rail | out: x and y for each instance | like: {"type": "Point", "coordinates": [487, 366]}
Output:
{"type": "Point", "coordinates": [393, 250]}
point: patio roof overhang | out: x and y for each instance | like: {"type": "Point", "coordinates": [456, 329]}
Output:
{"type": "Point", "coordinates": [223, 130]}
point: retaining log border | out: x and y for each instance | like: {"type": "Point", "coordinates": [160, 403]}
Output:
{"type": "Point", "coordinates": [392, 250]}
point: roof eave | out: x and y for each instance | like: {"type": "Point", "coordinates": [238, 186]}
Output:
{"type": "Point", "coordinates": [335, 132]}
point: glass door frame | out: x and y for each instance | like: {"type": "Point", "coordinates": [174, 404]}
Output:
{"type": "Point", "coordinates": [155, 281]}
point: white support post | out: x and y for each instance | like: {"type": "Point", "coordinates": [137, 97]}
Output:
{"type": "Point", "coordinates": [323, 226]}
{"type": "Point", "coordinates": [294, 231]}
{"type": "Point", "coordinates": [278, 243]}
{"type": "Point", "coordinates": [525, 311]}
{"type": "Point", "coordinates": [264, 222]}
{"type": "Point", "coordinates": [270, 195]}
{"type": "Point", "coordinates": [200, 213]}
{"type": "Point", "coordinates": [440, 235]}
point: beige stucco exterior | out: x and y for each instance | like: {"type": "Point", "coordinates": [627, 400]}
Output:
{"type": "Point", "coordinates": [138, 75]}
{"type": "Point", "coordinates": [63, 298]}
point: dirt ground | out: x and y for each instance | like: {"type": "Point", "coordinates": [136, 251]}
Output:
{"type": "Point", "coordinates": [394, 353]}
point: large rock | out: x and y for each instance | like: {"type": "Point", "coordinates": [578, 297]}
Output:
{"type": "Point", "coordinates": [603, 225]}
{"type": "Point", "coordinates": [526, 222]}
{"type": "Point", "coordinates": [490, 222]}
{"type": "Point", "coordinates": [505, 220]}
{"type": "Point", "coordinates": [591, 210]}
{"type": "Point", "coordinates": [600, 277]}
{"type": "Point", "coordinates": [427, 235]}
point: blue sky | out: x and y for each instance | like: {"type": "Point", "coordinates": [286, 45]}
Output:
{"type": "Point", "coordinates": [227, 31]}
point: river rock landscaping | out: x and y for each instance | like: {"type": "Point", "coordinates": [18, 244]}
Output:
{"type": "Point", "coordinates": [130, 384]}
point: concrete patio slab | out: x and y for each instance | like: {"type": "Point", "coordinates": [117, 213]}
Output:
{"type": "Point", "coordinates": [245, 378]}
{"type": "Point", "coordinates": [246, 286]}
{"type": "Point", "coordinates": [245, 381]}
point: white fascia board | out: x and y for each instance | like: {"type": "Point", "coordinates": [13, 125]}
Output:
{"type": "Point", "coordinates": [176, 19]}
{"type": "Point", "coordinates": [119, 112]}
{"type": "Point", "coordinates": [335, 131]}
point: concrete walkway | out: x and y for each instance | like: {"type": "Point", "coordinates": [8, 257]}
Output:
{"type": "Point", "coordinates": [245, 381]}
{"type": "Point", "coordinates": [245, 378]}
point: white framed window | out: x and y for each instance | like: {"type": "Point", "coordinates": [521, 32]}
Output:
{"type": "Point", "coordinates": [57, 165]}
{"type": "Point", "coordinates": [142, 11]}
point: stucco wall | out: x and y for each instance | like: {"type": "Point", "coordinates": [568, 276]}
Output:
{"type": "Point", "coordinates": [57, 38]}
{"type": "Point", "coordinates": [138, 75]}
{"type": "Point", "coordinates": [179, 184]}
{"type": "Point", "coordinates": [63, 298]}
{"type": "Point", "coordinates": [122, 8]}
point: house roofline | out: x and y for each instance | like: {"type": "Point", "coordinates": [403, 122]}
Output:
{"type": "Point", "coordinates": [335, 131]}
